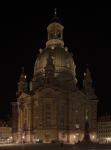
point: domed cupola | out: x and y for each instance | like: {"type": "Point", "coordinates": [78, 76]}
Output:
{"type": "Point", "coordinates": [55, 32]}
{"type": "Point", "coordinates": [62, 58]}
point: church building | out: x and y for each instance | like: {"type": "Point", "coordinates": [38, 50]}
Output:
{"type": "Point", "coordinates": [53, 108]}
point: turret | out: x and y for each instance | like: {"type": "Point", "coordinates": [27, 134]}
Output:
{"type": "Point", "coordinates": [22, 84]}
{"type": "Point", "coordinates": [55, 32]}
{"type": "Point", "coordinates": [87, 85]}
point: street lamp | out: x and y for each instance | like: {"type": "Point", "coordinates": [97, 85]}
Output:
{"type": "Point", "coordinates": [23, 138]}
{"type": "Point", "coordinates": [74, 136]}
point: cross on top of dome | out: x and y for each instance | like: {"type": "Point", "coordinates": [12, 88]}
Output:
{"type": "Point", "coordinates": [55, 17]}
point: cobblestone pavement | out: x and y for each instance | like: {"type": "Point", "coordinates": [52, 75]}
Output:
{"type": "Point", "coordinates": [53, 147]}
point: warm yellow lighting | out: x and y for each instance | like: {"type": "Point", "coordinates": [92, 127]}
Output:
{"type": "Point", "coordinates": [23, 137]}
{"type": "Point", "coordinates": [11, 137]}
{"type": "Point", "coordinates": [37, 140]}
{"type": "Point", "coordinates": [74, 137]}
{"type": "Point", "coordinates": [108, 139]}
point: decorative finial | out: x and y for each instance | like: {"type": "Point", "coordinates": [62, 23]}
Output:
{"type": "Point", "coordinates": [55, 12]}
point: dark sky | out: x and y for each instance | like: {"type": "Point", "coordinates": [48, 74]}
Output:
{"type": "Point", "coordinates": [86, 33]}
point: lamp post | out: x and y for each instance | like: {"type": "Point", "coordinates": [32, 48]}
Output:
{"type": "Point", "coordinates": [23, 138]}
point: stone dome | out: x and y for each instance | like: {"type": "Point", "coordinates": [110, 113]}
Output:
{"type": "Point", "coordinates": [62, 61]}
{"type": "Point", "coordinates": [64, 67]}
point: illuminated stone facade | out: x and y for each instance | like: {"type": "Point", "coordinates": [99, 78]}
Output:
{"type": "Point", "coordinates": [5, 133]}
{"type": "Point", "coordinates": [53, 108]}
{"type": "Point", "coordinates": [104, 129]}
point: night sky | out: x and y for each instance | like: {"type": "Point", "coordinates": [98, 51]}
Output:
{"type": "Point", "coordinates": [86, 33]}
